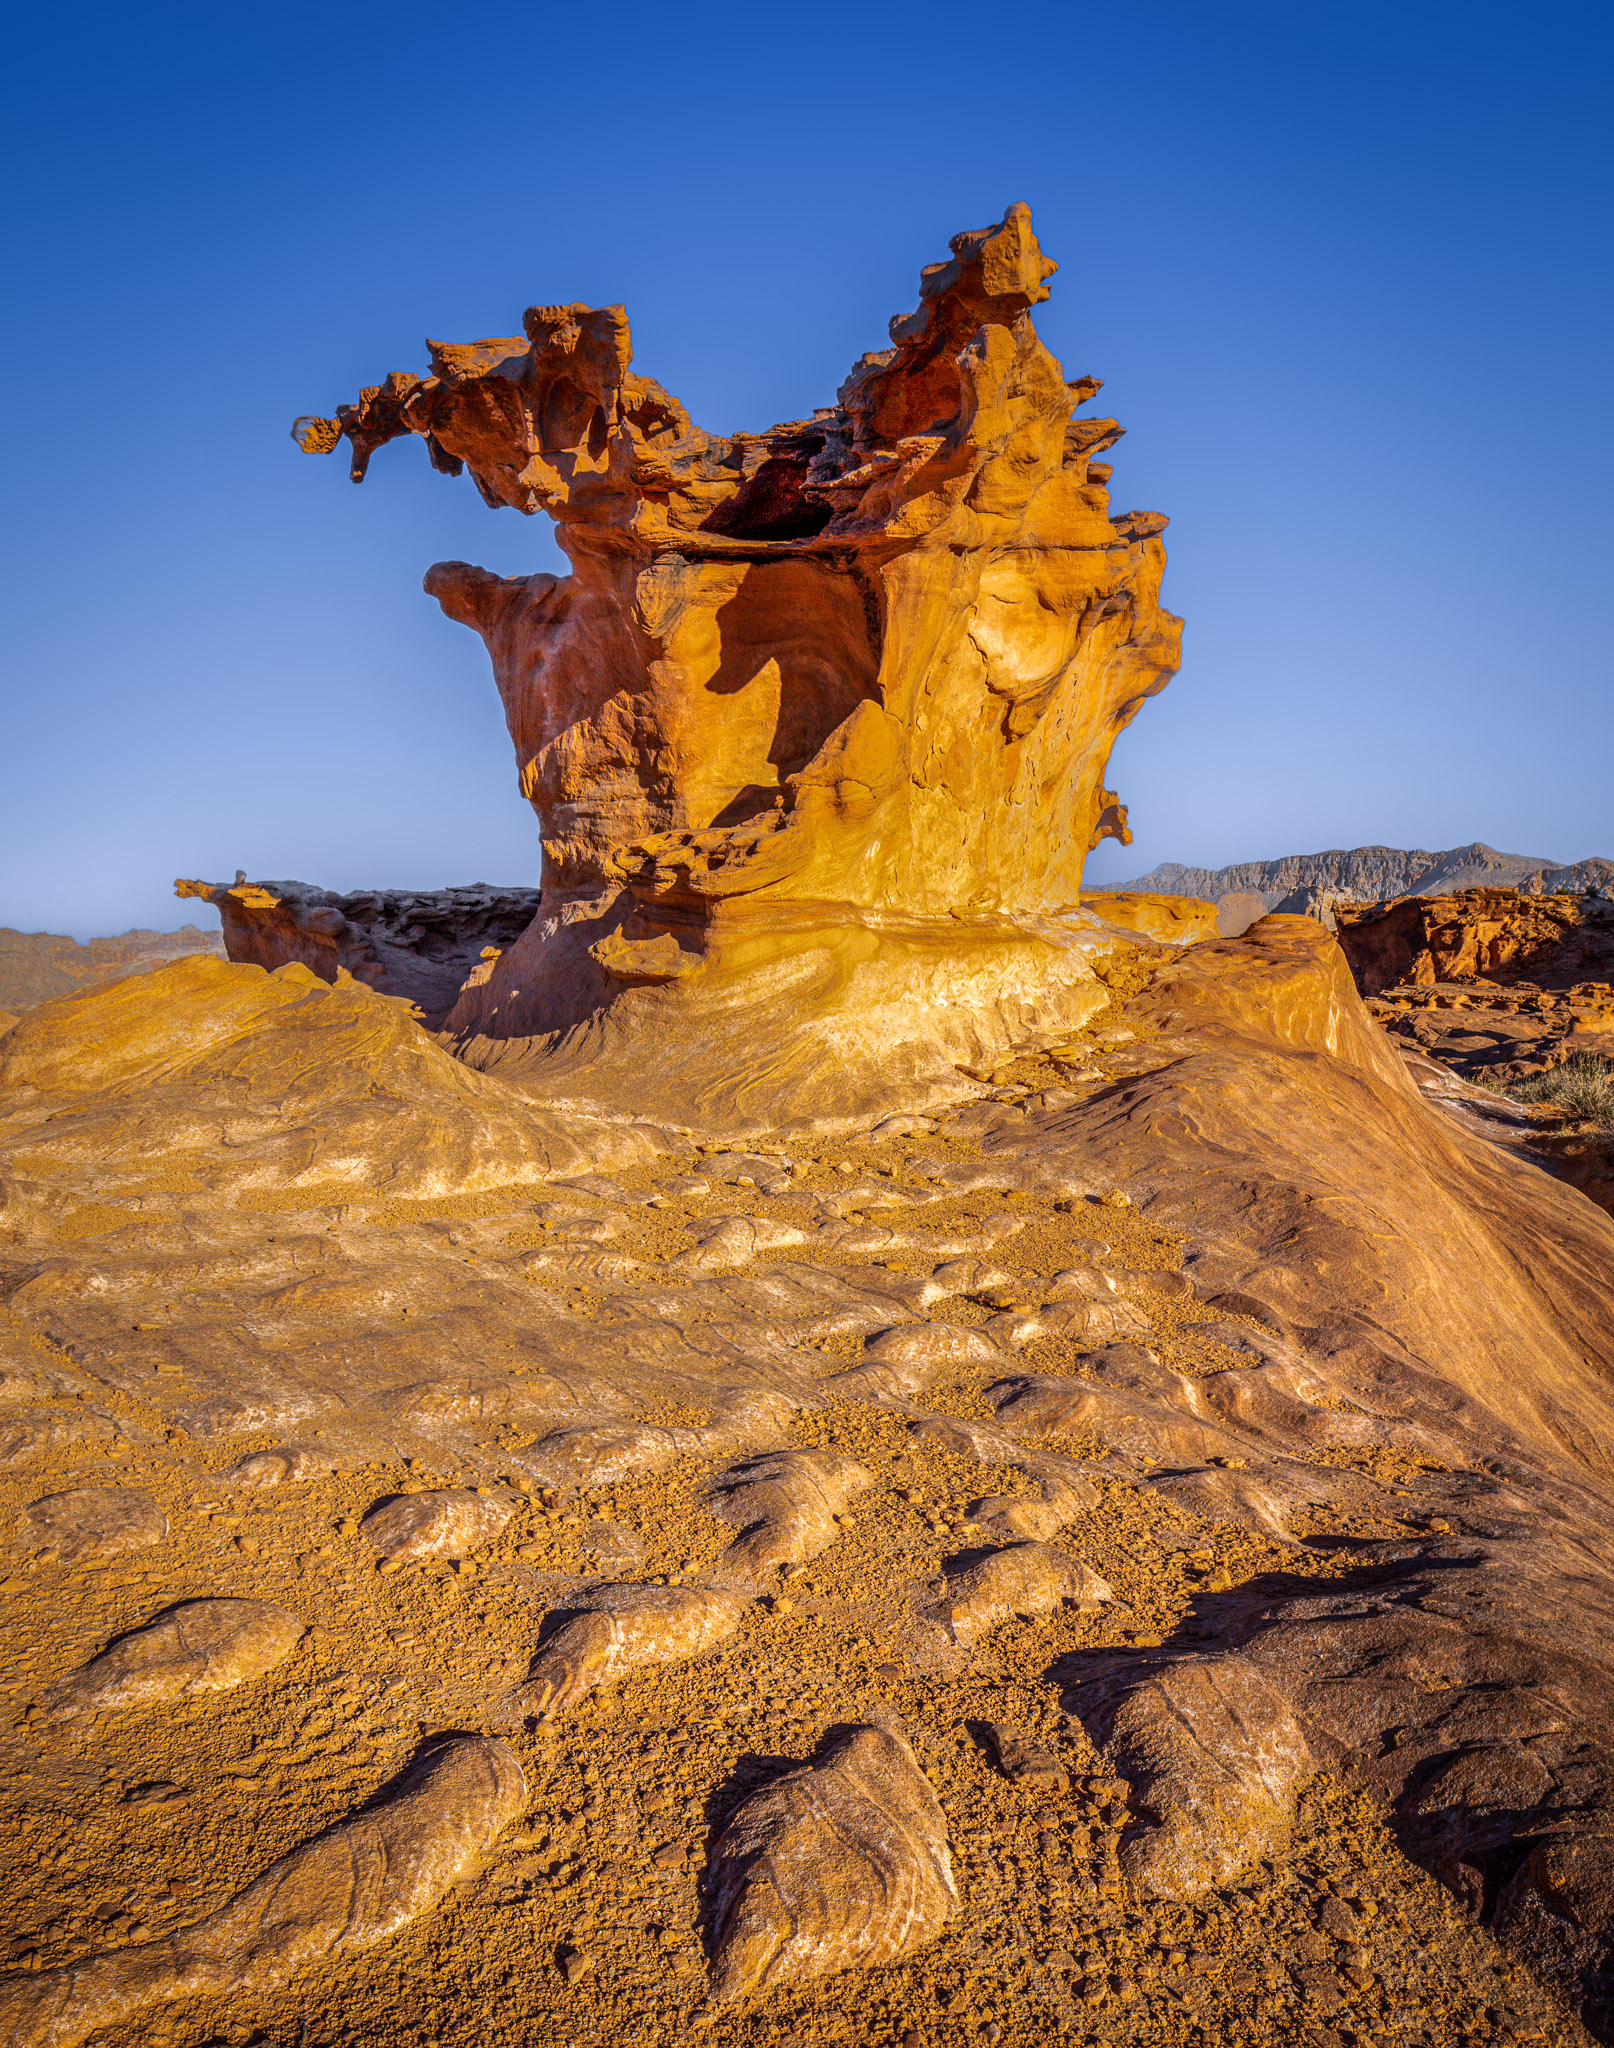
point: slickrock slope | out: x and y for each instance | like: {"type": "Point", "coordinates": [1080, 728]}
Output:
{"type": "Point", "coordinates": [1315, 884]}
{"type": "Point", "coordinates": [1144, 1529]}
{"type": "Point", "coordinates": [821, 718]}
{"type": "Point", "coordinates": [419, 944]}
{"type": "Point", "coordinates": [35, 966]}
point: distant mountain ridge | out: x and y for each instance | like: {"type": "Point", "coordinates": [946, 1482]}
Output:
{"type": "Point", "coordinates": [1307, 883]}
{"type": "Point", "coordinates": [35, 966]}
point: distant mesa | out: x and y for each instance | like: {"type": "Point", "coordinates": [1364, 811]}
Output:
{"type": "Point", "coordinates": [1309, 884]}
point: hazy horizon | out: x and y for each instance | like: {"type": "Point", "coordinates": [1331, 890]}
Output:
{"type": "Point", "coordinates": [1333, 265]}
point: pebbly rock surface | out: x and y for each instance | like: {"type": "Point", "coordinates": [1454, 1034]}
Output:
{"type": "Point", "coordinates": [1255, 1657]}
{"type": "Point", "coordinates": [355, 1886]}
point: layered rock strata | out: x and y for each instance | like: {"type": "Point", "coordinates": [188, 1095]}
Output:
{"type": "Point", "coordinates": [1317, 884]}
{"type": "Point", "coordinates": [819, 722]}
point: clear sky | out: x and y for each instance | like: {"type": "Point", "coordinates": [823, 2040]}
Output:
{"type": "Point", "coordinates": [1345, 269]}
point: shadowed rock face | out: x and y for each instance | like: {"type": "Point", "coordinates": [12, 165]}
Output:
{"type": "Point", "coordinates": [815, 693]}
{"type": "Point", "coordinates": [422, 945]}
{"type": "Point", "coordinates": [1490, 935]}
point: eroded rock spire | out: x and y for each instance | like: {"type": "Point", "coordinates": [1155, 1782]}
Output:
{"type": "Point", "coordinates": [873, 661]}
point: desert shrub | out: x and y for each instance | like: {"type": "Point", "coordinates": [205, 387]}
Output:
{"type": "Point", "coordinates": [1581, 1086]}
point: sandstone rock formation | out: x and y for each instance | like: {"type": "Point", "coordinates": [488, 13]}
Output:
{"type": "Point", "coordinates": [1492, 935]}
{"type": "Point", "coordinates": [1026, 1579]}
{"type": "Point", "coordinates": [451, 1521]}
{"type": "Point", "coordinates": [351, 1888]}
{"type": "Point", "coordinates": [198, 1646]}
{"type": "Point", "coordinates": [422, 945]}
{"type": "Point", "coordinates": [1216, 1759]}
{"type": "Point", "coordinates": [983, 1218]}
{"type": "Point", "coordinates": [92, 1521]}
{"type": "Point", "coordinates": [1351, 1452]}
{"type": "Point", "coordinates": [620, 1628]}
{"type": "Point", "coordinates": [820, 719]}
{"type": "Point", "coordinates": [1497, 987]}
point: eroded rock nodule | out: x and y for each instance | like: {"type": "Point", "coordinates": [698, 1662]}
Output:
{"type": "Point", "coordinates": [199, 1646]}
{"type": "Point", "coordinates": [1216, 1759]}
{"type": "Point", "coordinates": [787, 1505]}
{"type": "Point", "coordinates": [1027, 1579]}
{"type": "Point", "coordinates": [451, 1521]}
{"type": "Point", "coordinates": [350, 1888]}
{"type": "Point", "coordinates": [92, 1521]}
{"type": "Point", "coordinates": [845, 1862]}
{"type": "Point", "coordinates": [621, 1627]}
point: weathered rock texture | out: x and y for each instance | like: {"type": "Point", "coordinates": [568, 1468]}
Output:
{"type": "Point", "coordinates": [1345, 1471]}
{"type": "Point", "coordinates": [353, 1887]}
{"type": "Point", "coordinates": [420, 944]}
{"type": "Point", "coordinates": [621, 1628]}
{"type": "Point", "coordinates": [198, 1646]}
{"type": "Point", "coordinates": [821, 718]}
{"type": "Point", "coordinates": [1488, 988]}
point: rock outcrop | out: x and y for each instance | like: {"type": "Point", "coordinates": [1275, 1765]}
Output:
{"type": "Point", "coordinates": [422, 945]}
{"type": "Point", "coordinates": [1150, 1458]}
{"type": "Point", "coordinates": [843, 1863]}
{"type": "Point", "coordinates": [357, 1885]}
{"type": "Point", "coordinates": [198, 1646]}
{"type": "Point", "coordinates": [821, 718]}
{"type": "Point", "coordinates": [780, 1437]}
{"type": "Point", "coordinates": [1500, 936]}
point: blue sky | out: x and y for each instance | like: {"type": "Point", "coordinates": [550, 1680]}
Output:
{"type": "Point", "coordinates": [1345, 270]}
